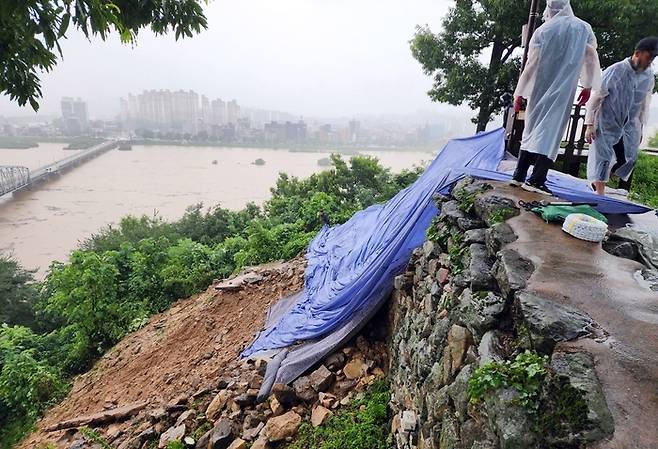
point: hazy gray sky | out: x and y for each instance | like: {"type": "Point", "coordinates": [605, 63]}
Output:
{"type": "Point", "coordinates": [311, 57]}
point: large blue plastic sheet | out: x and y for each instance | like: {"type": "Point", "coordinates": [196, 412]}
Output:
{"type": "Point", "coordinates": [569, 188]}
{"type": "Point", "coordinates": [353, 264]}
{"type": "Point", "coordinates": [351, 267]}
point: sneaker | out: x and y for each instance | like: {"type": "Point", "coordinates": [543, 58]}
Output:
{"type": "Point", "coordinates": [537, 188]}
{"type": "Point", "coordinates": [515, 183]}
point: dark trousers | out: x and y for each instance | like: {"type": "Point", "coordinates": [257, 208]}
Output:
{"type": "Point", "coordinates": [619, 154]}
{"type": "Point", "coordinates": [539, 173]}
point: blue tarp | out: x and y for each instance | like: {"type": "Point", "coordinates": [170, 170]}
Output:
{"type": "Point", "coordinates": [351, 266]}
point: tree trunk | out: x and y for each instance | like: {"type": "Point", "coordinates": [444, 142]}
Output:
{"type": "Point", "coordinates": [487, 96]}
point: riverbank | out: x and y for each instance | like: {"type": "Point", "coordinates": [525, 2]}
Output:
{"type": "Point", "coordinates": [25, 143]}
{"type": "Point", "coordinates": [292, 147]}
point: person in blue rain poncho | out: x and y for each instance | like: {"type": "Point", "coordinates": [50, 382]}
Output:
{"type": "Point", "coordinates": [617, 114]}
{"type": "Point", "coordinates": [561, 51]}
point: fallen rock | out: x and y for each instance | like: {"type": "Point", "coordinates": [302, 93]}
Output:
{"type": "Point", "coordinates": [252, 434]}
{"type": "Point", "coordinates": [202, 443]}
{"type": "Point", "coordinates": [246, 399]}
{"type": "Point", "coordinates": [221, 435]}
{"type": "Point", "coordinates": [238, 444]}
{"type": "Point", "coordinates": [217, 404]}
{"type": "Point", "coordinates": [239, 282]}
{"type": "Point", "coordinates": [321, 379]}
{"type": "Point", "coordinates": [172, 434]}
{"type": "Point", "coordinates": [284, 394]}
{"type": "Point", "coordinates": [260, 443]}
{"type": "Point", "coordinates": [138, 441]}
{"type": "Point", "coordinates": [327, 400]}
{"type": "Point", "coordinates": [281, 427]}
{"type": "Point", "coordinates": [184, 417]}
{"type": "Point", "coordinates": [550, 322]}
{"type": "Point", "coordinates": [319, 415]}
{"type": "Point", "coordinates": [336, 361]}
{"type": "Point", "coordinates": [355, 369]}
{"type": "Point", "coordinates": [276, 407]}
{"type": "Point", "coordinates": [175, 402]}
{"type": "Point", "coordinates": [104, 417]}
{"type": "Point", "coordinates": [304, 390]}
{"type": "Point", "coordinates": [156, 414]}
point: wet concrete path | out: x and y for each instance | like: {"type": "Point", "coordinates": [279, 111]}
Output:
{"type": "Point", "coordinates": [581, 274]}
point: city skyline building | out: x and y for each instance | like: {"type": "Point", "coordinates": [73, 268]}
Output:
{"type": "Point", "coordinates": [75, 118]}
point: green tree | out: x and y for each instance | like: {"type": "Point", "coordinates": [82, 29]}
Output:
{"type": "Point", "coordinates": [17, 293]}
{"type": "Point", "coordinates": [31, 31]}
{"type": "Point", "coordinates": [475, 29]}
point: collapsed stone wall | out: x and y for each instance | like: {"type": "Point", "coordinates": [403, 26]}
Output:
{"type": "Point", "coordinates": [460, 316]}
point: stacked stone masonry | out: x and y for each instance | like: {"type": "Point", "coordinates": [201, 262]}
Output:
{"type": "Point", "coordinates": [460, 305]}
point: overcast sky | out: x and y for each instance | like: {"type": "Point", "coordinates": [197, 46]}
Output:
{"type": "Point", "coordinates": [309, 57]}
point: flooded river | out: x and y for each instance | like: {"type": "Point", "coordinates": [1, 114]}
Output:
{"type": "Point", "coordinates": [47, 223]}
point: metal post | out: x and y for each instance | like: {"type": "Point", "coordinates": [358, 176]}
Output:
{"type": "Point", "coordinates": [532, 25]}
{"type": "Point", "coordinates": [514, 128]}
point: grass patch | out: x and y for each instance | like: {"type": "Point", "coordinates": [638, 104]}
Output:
{"type": "Point", "coordinates": [457, 253]}
{"type": "Point", "coordinates": [644, 187]}
{"type": "Point", "coordinates": [95, 437]}
{"type": "Point", "coordinates": [176, 444]}
{"type": "Point", "coordinates": [501, 215]}
{"type": "Point", "coordinates": [361, 425]}
{"type": "Point", "coordinates": [556, 408]}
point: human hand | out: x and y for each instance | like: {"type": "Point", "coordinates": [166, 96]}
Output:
{"type": "Point", "coordinates": [583, 98]}
{"type": "Point", "coordinates": [590, 134]}
{"type": "Point", "coordinates": [518, 104]}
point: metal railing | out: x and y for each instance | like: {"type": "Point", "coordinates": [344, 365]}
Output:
{"type": "Point", "coordinates": [13, 178]}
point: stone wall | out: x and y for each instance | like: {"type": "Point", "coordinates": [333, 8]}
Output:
{"type": "Point", "coordinates": [461, 306]}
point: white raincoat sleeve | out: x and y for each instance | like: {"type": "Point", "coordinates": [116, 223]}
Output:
{"type": "Point", "coordinates": [644, 113]}
{"type": "Point", "coordinates": [527, 79]}
{"type": "Point", "coordinates": [594, 105]}
{"type": "Point", "coordinates": [590, 74]}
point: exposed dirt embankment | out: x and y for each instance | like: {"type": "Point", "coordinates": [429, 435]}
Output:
{"type": "Point", "coordinates": [179, 352]}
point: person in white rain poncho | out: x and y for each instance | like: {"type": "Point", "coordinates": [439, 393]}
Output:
{"type": "Point", "coordinates": [617, 114]}
{"type": "Point", "coordinates": [560, 52]}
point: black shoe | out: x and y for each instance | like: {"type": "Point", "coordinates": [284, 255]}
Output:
{"type": "Point", "coordinates": [537, 188]}
{"type": "Point", "coordinates": [515, 183]}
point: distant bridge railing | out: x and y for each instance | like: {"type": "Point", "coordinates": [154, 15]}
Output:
{"type": "Point", "coordinates": [13, 177]}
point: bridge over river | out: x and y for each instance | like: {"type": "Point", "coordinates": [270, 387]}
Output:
{"type": "Point", "coordinates": [17, 178]}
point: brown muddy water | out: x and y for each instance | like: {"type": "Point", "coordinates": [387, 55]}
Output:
{"type": "Point", "coordinates": [45, 224]}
